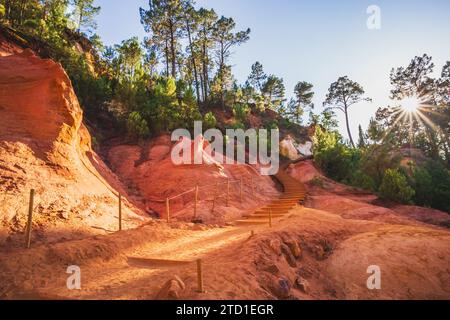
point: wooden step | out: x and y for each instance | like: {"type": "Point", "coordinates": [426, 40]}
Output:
{"type": "Point", "coordinates": [273, 211]}
{"type": "Point", "coordinates": [251, 221]}
{"type": "Point", "coordinates": [279, 205]}
{"type": "Point", "coordinates": [266, 215]}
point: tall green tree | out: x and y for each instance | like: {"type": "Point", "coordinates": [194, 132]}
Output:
{"type": "Point", "coordinates": [342, 94]}
{"type": "Point", "coordinates": [361, 138]}
{"type": "Point", "coordinates": [273, 91]}
{"type": "Point", "coordinates": [225, 39]}
{"type": "Point", "coordinates": [303, 100]}
{"type": "Point", "coordinates": [426, 127]}
{"type": "Point", "coordinates": [84, 15]}
{"type": "Point", "coordinates": [165, 20]}
{"type": "Point", "coordinates": [257, 76]}
{"type": "Point", "coordinates": [191, 17]}
{"type": "Point", "coordinates": [205, 43]}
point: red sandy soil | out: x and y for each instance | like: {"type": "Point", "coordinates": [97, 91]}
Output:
{"type": "Point", "coordinates": [320, 251]}
{"type": "Point", "coordinates": [45, 146]}
{"type": "Point", "coordinates": [308, 254]}
{"type": "Point", "coordinates": [153, 177]}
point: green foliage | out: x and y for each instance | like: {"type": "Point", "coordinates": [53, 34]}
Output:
{"type": "Point", "coordinates": [166, 110]}
{"type": "Point", "coordinates": [432, 185]}
{"type": "Point", "coordinates": [209, 120]}
{"type": "Point", "coordinates": [84, 15]}
{"type": "Point", "coordinates": [241, 112]}
{"type": "Point", "coordinates": [395, 187]}
{"type": "Point", "coordinates": [363, 180]}
{"type": "Point", "coordinates": [334, 158]}
{"type": "Point", "coordinates": [303, 100]}
{"type": "Point", "coordinates": [137, 126]}
{"type": "Point", "coordinates": [273, 92]}
{"type": "Point", "coordinates": [415, 81]}
{"type": "Point", "coordinates": [376, 159]}
{"type": "Point", "coordinates": [341, 95]}
{"type": "Point", "coordinates": [257, 76]}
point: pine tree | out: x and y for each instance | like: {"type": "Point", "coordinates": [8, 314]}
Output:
{"type": "Point", "coordinates": [85, 13]}
{"type": "Point", "coordinates": [273, 91]}
{"type": "Point", "coordinates": [303, 100]}
{"type": "Point", "coordinates": [342, 94]}
{"type": "Point", "coordinates": [362, 138]}
{"type": "Point", "coordinates": [257, 76]}
{"type": "Point", "coordinates": [225, 39]}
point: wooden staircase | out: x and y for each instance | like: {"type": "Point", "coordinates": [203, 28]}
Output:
{"type": "Point", "coordinates": [293, 194]}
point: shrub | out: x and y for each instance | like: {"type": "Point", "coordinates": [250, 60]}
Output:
{"type": "Point", "coordinates": [432, 185]}
{"type": "Point", "coordinates": [137, 126]}
{"type": "Point", "coordinates": [241, 111]}
{"type": "Point", "coordinates": [423, 185]}
{"type": "Point", "coordinates": [394, 186]}
{"type": "Point", "coordinates": [363, 181]}
{"type": "Point", "coordinates": [317, 181]}
{"type": "Point", "coordinates": [333, 157]}
{"type": "Point", "coordinates": [209, 120]}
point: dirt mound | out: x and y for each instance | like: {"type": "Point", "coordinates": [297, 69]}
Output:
{"type": "Point", "coordinates": [45, 146]}
{"type": "Point", "coordinates": [353, 203]}
{"type": "Point", "coordinates": [413, 263]}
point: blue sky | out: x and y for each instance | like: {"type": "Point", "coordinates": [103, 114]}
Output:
{"type": "Point", "coordinates": [317, 41]}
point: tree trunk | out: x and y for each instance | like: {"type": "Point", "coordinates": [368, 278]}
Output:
{"type": "Point", "coordinates": [221, 76]}
{"type": "Point", "coordinates": [80, 20]}
{"type": "Point", "coordinates": [348, 127]}
{"type": "Point", "coordinates": [202, 87]}
{"type": "Point", "coordinates": [172, 50]}
{"type": "Point", "coordinates": [21, 13]}
{"type": "Point", "coordinates": [166, 49]}
{"type": "Point", "coordinates": [8, 10]}
{"type": "Point", "coordinates": [205, 72]}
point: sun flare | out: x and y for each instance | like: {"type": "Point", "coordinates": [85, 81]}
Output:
{"type": "Point", "coordinates": [410, 104]}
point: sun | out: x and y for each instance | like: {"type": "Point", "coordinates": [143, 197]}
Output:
{"type": "Point", "coordinates": [410, 104]}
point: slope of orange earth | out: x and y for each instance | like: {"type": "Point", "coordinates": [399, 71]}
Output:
{"type": "Point", "coordinates": [307, 254]}
{"type": "Point", "coordinates": [45, 146]}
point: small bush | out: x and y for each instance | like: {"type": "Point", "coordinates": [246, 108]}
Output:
{"type": "Point", "coordinates": [432, 185]}
{"type": "Point", "coordinates": [137, 126]}
{"type": "Point", "coordinates": [395, 187]}
{"type": "Point", "coordinates": [209, 120]}
{"type": "Point", "coordinates": [241, 111]}
{"type": "Point", "coordinates": [363, 181]}
{"type": "Point", "coordinates": [317, 181]}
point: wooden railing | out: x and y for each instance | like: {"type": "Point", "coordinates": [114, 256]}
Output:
{"type": "Point", "coordinates": [216, 194]}
{"type": "Point", "coordinates": [195, 190]}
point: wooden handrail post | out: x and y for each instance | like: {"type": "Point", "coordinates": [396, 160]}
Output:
{"type": "Point", "coordinates": [228, 191]}
{"type": "Point", "coordinates": [200, 276]}
{"type": "Point", "coordinates": [167, 210]}
{"type": "Point", "coordinates": [270, 218]}
{"type": "Point", "coordinates": [120, 212]}
{"type": "Point", "coordinates": [195, 201]}
{"type": "Point", "coordinates": [30, 219]}
{"type": "Point", "coordinates": [240, 191]}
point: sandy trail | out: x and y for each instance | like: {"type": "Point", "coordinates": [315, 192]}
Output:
{"type": "Point", "coordinates": [139, 273]}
